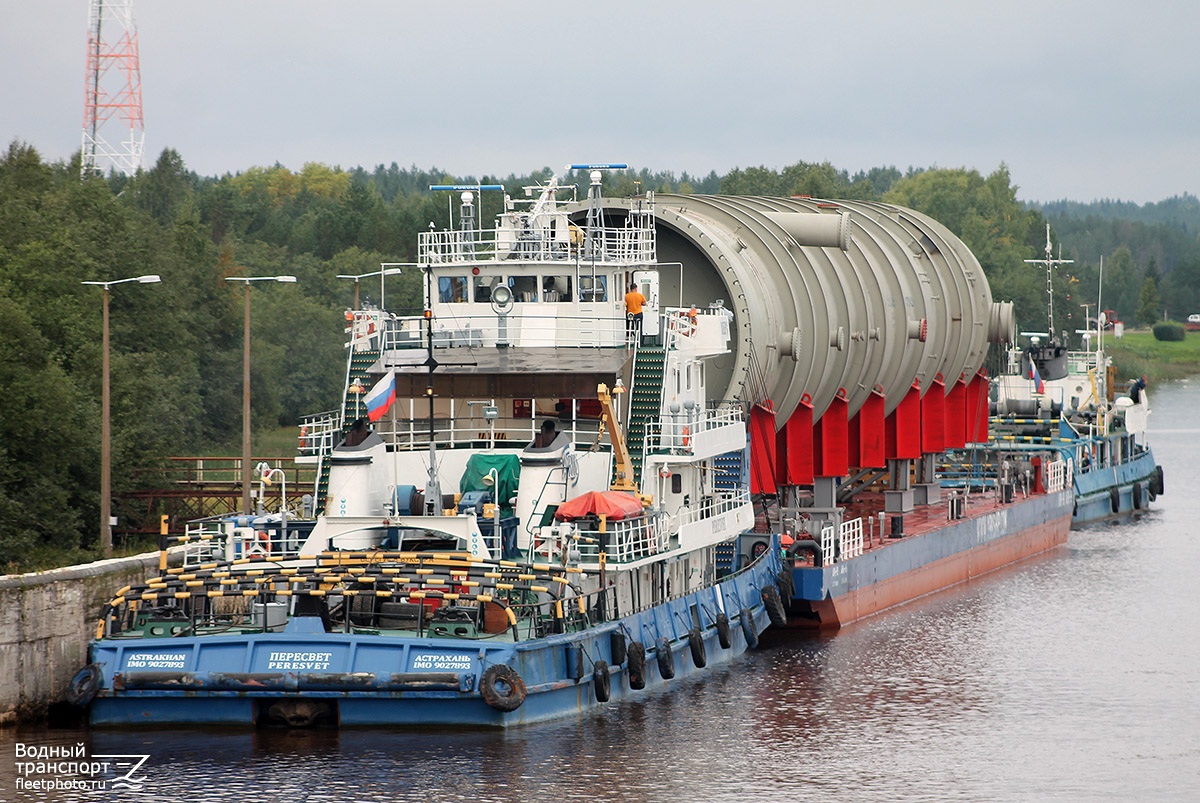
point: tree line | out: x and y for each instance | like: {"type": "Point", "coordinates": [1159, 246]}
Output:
{"type": "Point", "coordinates": [177, 346]}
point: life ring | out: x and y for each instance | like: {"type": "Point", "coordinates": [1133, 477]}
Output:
{"type": "Point", "coordinates": [723, 631]}
{"type": "Point", "coordinates": [696, 644]}
{"type": "Point", "coordinates": [263, 541]}
{"type": "Point", "coordinates": [748, 630]}
{"type": "Point", "coordinates": [637, 665]}
{"type": "Point", "coordinates": [774, 605]}
{"type": "Point", "coordinates": [85, 685]}
{"type": "Point", "coordinates": [1114, 500]}
{"type": "Point", "coordinates": [666, 660]}
{"type": "Point", "coordinates": [601, 682]}
{"type": "Point", "coordinates": [502, 687]}
{"type": "Point", "coordinates": [687, 436]}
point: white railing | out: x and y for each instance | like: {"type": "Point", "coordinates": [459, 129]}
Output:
{"type": "Point", "coordinates": [677, 431]}
{"type": "Point", "coordinates": [623, 541]}
{"type": "Point", "coordinates": [406, 425]}
{"type": "Point", "coordinates": [530, 325]}
{"type": "Point", "coordinates": [828, 542]}
{"type": "Point", "coordinates": [850, 541]}
{"type": "Point", "coordinates": [319, 433]}
{"type": "Point", "coordinates": [617, 246]}
{"type": "Point", "coordinates": [1056, 476]}
{"type": "Point", "coordinates": [712, 506]}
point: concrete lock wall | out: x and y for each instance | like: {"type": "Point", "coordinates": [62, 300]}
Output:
{"type": "Point", "coordinates": [46, 621]}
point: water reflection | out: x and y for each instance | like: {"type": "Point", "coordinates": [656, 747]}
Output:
{"type": "Point", "coordinates": [1073, 677]}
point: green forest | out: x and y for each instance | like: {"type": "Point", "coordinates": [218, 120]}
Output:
{"type": "Point", "coordinates": [176, 346]}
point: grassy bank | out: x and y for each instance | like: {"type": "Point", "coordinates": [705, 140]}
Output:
{"type": "Point", "coordinates": [1138, 353]}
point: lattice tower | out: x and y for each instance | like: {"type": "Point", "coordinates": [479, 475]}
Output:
{"type": "Point", "coordinates": [113, 90]}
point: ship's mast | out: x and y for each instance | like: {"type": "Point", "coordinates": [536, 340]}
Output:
{"type": "Point", "coordinates": [1049, 261]}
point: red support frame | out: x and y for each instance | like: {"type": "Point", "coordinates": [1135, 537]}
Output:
{"type": "Point", "coordinates": [795, 463]}
{"type": "Point", "coordinates": [868, 439]}
{"type": "Point", "coordinates": [903, 427]}
{"type": "Point", "coordinates": [933, 418]}
{"type": "Point", "coordinates": [831, 440]}
{"type": "Point", "coordinates": [762, 449]}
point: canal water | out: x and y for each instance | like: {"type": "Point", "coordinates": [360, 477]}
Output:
{"type": "Point", "coordinates": [1075, 676]}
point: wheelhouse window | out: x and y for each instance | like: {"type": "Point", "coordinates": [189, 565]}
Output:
{"type": "Point", "coordinates": [593, 288]}
{"type": "Point", "coordinates": [452, 289]}
{"type": "Point", "coordinates": [556, 288]}
{"type": "Point", "coordinates": [524, 288]}
{"type": "Point", "coordinates": [484, 286]}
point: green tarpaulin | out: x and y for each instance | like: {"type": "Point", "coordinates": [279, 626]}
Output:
{"type": "Point", "coordinates": [508, 470]}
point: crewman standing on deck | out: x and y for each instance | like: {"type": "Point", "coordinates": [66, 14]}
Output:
{"type": "Point", "coordinates": [634, 301]}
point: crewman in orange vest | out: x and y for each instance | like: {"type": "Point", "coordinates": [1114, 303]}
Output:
{"type": "Point", "coordinates": [634, 301]}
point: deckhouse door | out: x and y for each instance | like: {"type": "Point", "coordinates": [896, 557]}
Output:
{"type": "Point", "coordinates": [647, 282]}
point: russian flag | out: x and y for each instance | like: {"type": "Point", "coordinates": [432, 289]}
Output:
{"type": "Point", "coordinates": [381, 397]}
{"type": "Point", "coordinates": [1038, 385]}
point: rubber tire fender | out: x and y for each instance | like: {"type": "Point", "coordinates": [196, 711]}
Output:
{"type": "Point", "coordinates": [723, 637]}
{"type": "Point", "coordinates": [502, 688]}
{"type": "Point", "coordinates": [601, 682]}
{"type": "Point", "coordinates": [1136, 493]}
{"type": "Point", "coordinates": [748, 630]}
{"type": "Point", "coordinates": [618, 645]}
{"type": "Point", "coordinates": [637, 665]}
{"type": "Point", "coordinates": [1156, 481]}
{"type": "Point", "coordinates": [696, 644]}
{"type": "Point", "coordinates": [666, 659]}
{"type": "Point", "coordinates": [85, 685]}
{"type": "Point", "coordinates": [1114, 499]}
{"type": "Point", "coordinates": [774, 605]}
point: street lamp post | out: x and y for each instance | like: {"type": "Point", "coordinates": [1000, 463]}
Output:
{"type": "Point", "coordinates": [385, 269]}
{"type": "Point", "coordinates": [247, 470]}
{"type": "Point", "coordinates": [105, 423]}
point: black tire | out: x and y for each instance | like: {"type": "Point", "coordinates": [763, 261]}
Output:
{"type": "Point", "coordinates": [502, 687]}
{"type": "Point", "coordinates": [723, 636]}
{"type": "Point", "coordinates": [616, 642]}
{"type": "Point", "coordinates": [666, 659]}
{"type": "Point", "coordinates": [1114, 500]}
{"type": "Point", "coordinates": [1136, 493]}
{"type": "Point", "coordinates": [85, 685]}
{"type": "Point", "coordinates": [774, 605]}
{"type": "Point", "coordinates": [637, 665]}
{"type": "Point", "coordinates": [1156, 481]}
{"type": "Point", "coordinates": [748, 630]}
{"type": "Point", "coordinates": [696, 644]}
{"type": "Point", "coordinates": [601, 682]}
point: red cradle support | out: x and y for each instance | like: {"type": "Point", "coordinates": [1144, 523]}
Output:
{"type": "Point", "coordinates": [794, 465]}
{"type": "Point", "coordinates": [957, 415]}
{"type": "Point", "coordinates": [977, 409]}
{"type": "Point", "coordinates": [933, 418]}
{"type": "Point", "coordinates": [762, 449]}
{"type": "Point", "coordinates": [867, 439]}
{"type": "Point", "coordinates": [832, 440]}
{"type": "Point", "coordinates": [903, 427]}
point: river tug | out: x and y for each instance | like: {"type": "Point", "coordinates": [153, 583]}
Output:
{"type": "Point", "coordinates": [529, 505]}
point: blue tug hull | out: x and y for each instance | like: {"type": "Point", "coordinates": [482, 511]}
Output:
{"type": "Point", "coordinates": [381, 680]}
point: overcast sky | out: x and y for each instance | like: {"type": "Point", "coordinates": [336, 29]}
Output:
{"type": "Point", "coordinates": [1082, 100]}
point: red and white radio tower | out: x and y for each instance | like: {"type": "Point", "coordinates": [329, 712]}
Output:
{"type": "Point", "coordinates": [113, 90]}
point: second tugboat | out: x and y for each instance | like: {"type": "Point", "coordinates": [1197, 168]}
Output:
{"type": "Point", "coordinates": [1069, 400]}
